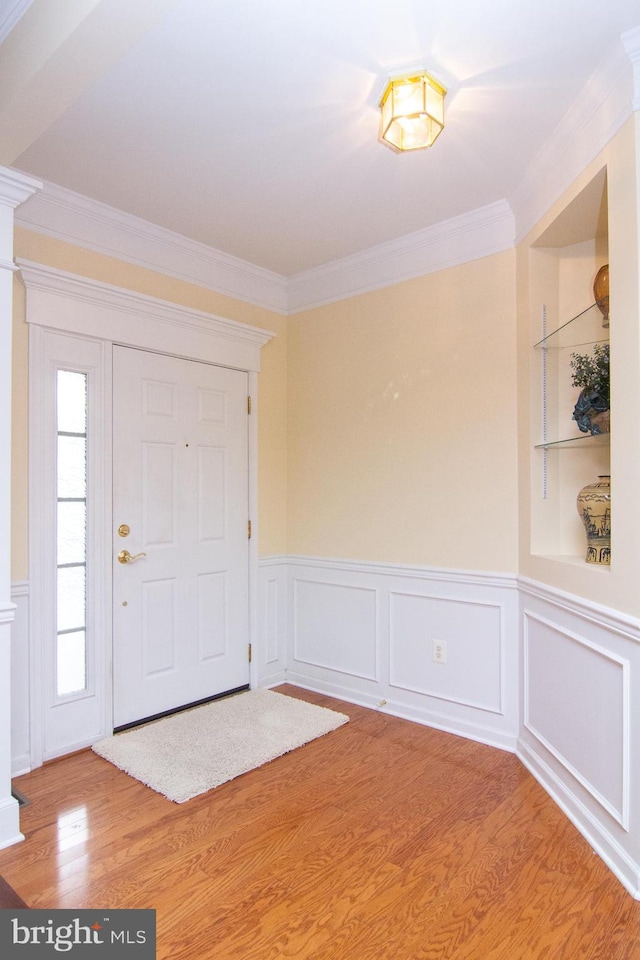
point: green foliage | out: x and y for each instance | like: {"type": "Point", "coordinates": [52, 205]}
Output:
{"type": "Point", "coordinates": [591, 371]}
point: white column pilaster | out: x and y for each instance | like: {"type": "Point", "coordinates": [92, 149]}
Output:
{"type": "Point", "coordinates": [15, 188]}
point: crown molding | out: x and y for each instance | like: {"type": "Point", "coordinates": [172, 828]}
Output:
{"type": "Point", "coordinates": [68, 216]}
{"type": "Point", "coordinates": [480, 233]}
{"type": "Point", "coordinates": [73, 218]}
{"type": "Point", "coordinates": [15, 187]}
{"type": "Point", "coordinates": [601, 109]}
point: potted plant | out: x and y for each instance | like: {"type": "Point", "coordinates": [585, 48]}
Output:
{"type": "Point", "coordinates": [591, 374]}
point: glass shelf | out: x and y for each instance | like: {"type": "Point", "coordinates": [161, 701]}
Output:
{"type": "Point", "coordinates": [582, 440]}
{"type": "Point", "coordinates": [579, 335]}
{"type": "Point", "coordinates": [584, 329]}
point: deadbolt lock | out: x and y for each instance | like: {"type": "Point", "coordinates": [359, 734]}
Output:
{"type": "Point", "coordinates": [124, 530]}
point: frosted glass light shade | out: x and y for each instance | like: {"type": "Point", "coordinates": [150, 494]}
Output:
{"type": "Point", "coordinates": [411, 112]}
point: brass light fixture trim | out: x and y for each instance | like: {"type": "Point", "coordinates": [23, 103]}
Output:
{"type": "Point", "coordinates": [411, 112]}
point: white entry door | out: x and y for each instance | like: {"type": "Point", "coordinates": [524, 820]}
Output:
{"type": "Point", "coordinates": [180, 510]}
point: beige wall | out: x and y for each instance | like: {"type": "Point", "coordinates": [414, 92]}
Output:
{"type": "Point", "coordinates": [402, 422]}
{"type": "Point", "coordinates": [401, 445]}
{"type": "Point", "coordinates": [272, 383]}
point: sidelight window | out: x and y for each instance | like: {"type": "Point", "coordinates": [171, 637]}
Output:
{"type": "Point", "coordinates": [71, 533]}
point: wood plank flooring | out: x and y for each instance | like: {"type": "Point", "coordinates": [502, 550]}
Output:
{"type": "Point", "coordinates": [384, 840]}
{"type": "Point", "coordinates": [9, 899]}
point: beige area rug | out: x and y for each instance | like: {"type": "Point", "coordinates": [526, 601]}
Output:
{"type": "Point", "coordinates": [189, 753]}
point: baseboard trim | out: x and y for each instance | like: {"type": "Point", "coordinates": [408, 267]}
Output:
{"type": "Point", "coordinates": [426, 718]}
{"type": "Point", "coordinates": [20, 765]}
{"type": "Point", "coordinates": [273, 679]}
{"type": "Point", "coordinates": [607, 848]}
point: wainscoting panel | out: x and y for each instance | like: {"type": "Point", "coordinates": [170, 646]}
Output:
{"type": "Point", "coordinates": [576, 704]}
{"type": "Point", "coordinates": [20, 725]}
{"type": "Point", "coordinates": [472, 674]}
{"type": "Point", "coordinates": [270, 658]}
{"type": "Point", "coordinates": [580, 709]}
{"type": "Point", "coordinates": [334, 627]}
{"type": "Point", "coordinates": [365, 632]}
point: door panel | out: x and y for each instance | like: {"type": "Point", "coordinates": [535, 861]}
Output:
{"type": "Point", "coordinates": [181, 485]}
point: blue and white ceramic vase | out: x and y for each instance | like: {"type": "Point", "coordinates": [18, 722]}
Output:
{"type": "Point", "coordinates": [594, 508]}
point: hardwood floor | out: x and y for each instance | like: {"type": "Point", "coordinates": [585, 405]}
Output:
{"type": "Point", "coordinates": [384, 840]}
{"type": "Point", "coordinates": [9, 899]}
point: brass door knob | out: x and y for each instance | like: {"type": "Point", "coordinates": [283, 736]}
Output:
{"type": "Point", "coordinates": [125, 557]}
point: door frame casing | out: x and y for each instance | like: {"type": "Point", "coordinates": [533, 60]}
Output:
{"type": "Point", "coordinates": [92, 311]}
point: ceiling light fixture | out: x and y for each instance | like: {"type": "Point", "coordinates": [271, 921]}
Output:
{"type": "Point", "coordinates": [411, 112]}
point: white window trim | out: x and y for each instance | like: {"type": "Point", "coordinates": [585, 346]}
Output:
{"type": "Point", "coordinates": [70, 723]}
{"type": "Point", "coordinates": [65, 310]}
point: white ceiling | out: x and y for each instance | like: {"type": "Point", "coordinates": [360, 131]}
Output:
{"type": "Point", "coordinates": [251, 125]}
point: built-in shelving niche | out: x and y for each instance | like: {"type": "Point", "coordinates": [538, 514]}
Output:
{"type": "Point", "coordinates": [564, 261]}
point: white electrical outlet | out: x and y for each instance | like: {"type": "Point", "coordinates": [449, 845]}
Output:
{"type": "Point", "coordinates": [440, 651]}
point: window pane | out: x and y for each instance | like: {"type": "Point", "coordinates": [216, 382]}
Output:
{"type": "Point", "coordinates": [71, 598]}
{"type": "Point", "coordinates": [72, 466]}
{"type": "Point", "coordinates": [72, 402]}
{"type": "Point", "coordinates": [71, 532]}
{"type": "Point", "coordinates": [71, 663]}
{"type": "Point", "coordinates": [71, 655]}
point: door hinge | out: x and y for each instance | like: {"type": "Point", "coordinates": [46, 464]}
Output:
{"type": "Point", "coordinates": [249, 529]}
{"type": "Point", "coordinates": [249, 653]}
{"type": "Point", "coordinates": [248, 404]}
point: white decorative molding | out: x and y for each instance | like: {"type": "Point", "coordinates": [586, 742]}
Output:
{"type": "Point", "coordinates": [68, 216]}
{"type": "Point", "coordinates": [616, 857]}
{"type": "Point", "coordinates": [65, 301]}
{"type": "Point", "coordinates": [9, 832]}
{"type": "Point", "coordinates": [631, 44]}
{"type": "Point", "coordinates": [616, 745]}
{"type": "Point", "coordinates": [614, 621]}
{"type": "Point", "coordinates": [601, 109]}
{"type": "Point", "coordinates": [335, 627]}
{"type": "Point", "coordinates": [20, 681]}
{"type": "Point", "coordinates": [272, 626]}
{"type": "Point", "coordinates": [345, 641]}
{"type": "Point", "coordinates": [478, 632]}
{"type": "Point", "coordinates": [16, 188]}
{"type": "Point", "coordinates": [7, 611]}
{"type": "Point", "coordinates": [480, 233]}
{"type": "Point", "coordinates": [433, 574]}
{"type": "Point", "coordinates": [578, 740]}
